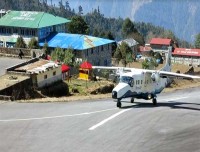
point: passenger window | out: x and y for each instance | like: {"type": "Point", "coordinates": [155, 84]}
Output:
{"type": "Point", "coordinates": [132, 83]}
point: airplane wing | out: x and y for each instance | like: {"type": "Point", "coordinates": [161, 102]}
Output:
{"type": "Point", "coordinates": [160, 73]}
{"type": "Point", "coordinates": [105, 68]}
{"type": "Point", "coordinates": [177, 75]}
{"type": "Point", "coordinates": [118, 70]}
{"type": "Point", "coordinates": [172, 74]}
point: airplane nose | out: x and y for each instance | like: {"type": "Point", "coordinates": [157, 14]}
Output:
{"type": "Point", "coordinates": [114, 94]}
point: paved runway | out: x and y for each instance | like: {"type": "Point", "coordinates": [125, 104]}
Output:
{"type": "Point", "coordinates": [8, 62]}
{"type": "Point", "coordinates": [88, 126]}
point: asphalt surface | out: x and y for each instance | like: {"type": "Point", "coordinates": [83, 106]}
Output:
{"type": "Point", "coordinates": [8, 62]}
{"type": "Point", "coordinates": [88, 126]}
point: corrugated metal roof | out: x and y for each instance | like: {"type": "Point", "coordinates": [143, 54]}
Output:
{"type": "Point", "coordinates": [30, 19]}
{"type": "Point", "coordinates": [186, 52]}
{"type": "Point", "coordinates": [75, 41]}
{"type": "Point", "coordinates": [131, 42]}
{"type": "Point", "coordinates": [160, 41]}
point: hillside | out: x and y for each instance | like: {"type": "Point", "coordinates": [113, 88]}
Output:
{"type": "Point", "coordinates": [181, 17]}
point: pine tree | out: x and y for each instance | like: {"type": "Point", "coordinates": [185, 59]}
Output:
{"type": "Point", "coordinates": [20, 43]}
{"type": "Point", "coordinates": [33, 44]}
{"type": "Point", "coordinates": [197, 41]}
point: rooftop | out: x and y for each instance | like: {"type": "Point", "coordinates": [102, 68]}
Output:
{"type": "Point", "coordinates": [37, 67]}
{"type": "Point", "coordinates": [145, 48]}
{"type": "Point", "coordinates": [75, 41]}
{"type": "Point", "coordinates": [186, 52]}
{"type": "Point", "coordinates": [130, 42]}
{"type": "Point", "coordinates": [160, 41]}
{"type": "Point", "coordinates": [31, 19]}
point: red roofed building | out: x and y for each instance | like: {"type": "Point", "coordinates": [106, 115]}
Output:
{"type": "Point", "coordinates": [161, 44]}
{"type": "Point", "coordinates": [186, 56]}
{"type": "Point", "coordinates": [186, 52]}
{"type": "Point", "coordinates": [145, 50]}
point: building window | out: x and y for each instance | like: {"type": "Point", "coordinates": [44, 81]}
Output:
{"type": "Point", "coordinates": [97, 50]}
{"type": "Point", "coordinates": [86, 53]}
{"type": "Point", "coordinates": [22, 31]}
{"type": "Point", "coordinates": [8, 30]}
{"type": "Point", "coordinates": [91, 50]}
{"type": "Point", "coordinates": [105, 62]}
{"type": "Point", "coordinates": [54, 73]}
{"type": "Point", "coordinates": [101, 48]}
{"type": "Point", "coordinates": [45, 76]}
{"type": "Point", "coordinates": [15, 31]}
{"type": "Point", "coordinates": [32, 32]}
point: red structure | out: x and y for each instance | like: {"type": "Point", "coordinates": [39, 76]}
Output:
{"type": "Point", "coordinates": [85, 71]}
{"type": "Point", "coordinates": [86, 65]}
{"type": "Point", "coordinates": [65, 71]}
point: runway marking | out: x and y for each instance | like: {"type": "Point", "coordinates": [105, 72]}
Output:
{"type": "Point", "coordinates": [81, 114]}
{"type": "Point", "coordinates": [106, 120]}
{"type": "Point", "coordinates": [176, 98]}
{"type": "Point", "coordinates": [61, 116]}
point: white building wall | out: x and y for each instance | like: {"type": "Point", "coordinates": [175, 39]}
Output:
{"type": "Point", "coordinates": [47, 78]}
{"type": "Point", "coordinates": [195, 61]}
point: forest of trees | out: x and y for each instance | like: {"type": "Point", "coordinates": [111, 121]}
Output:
{"type": "Point", "coordinates": [98, 25]}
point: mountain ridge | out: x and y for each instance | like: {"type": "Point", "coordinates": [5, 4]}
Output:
{"type": "Point", "coordinates": [179, 16]}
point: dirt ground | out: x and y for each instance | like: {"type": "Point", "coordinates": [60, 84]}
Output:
{"type": "Point", "coordinates": [180, 84]}
{"type": "Point", "coordinates": [176, 85]}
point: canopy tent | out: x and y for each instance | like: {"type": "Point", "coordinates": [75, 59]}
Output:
{"type": "Point", "coordinates": [65, 68]}
{"type": "Point", "coordinates": [86, 65]}
{"type": "Point", "coordinates": [85, 71]}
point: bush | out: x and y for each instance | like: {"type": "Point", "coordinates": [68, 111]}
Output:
{"type": "Point", "coordinates": [57, 89]}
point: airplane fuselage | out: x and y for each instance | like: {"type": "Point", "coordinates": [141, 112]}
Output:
{"type": "Point", "coordinates": [139, 85]}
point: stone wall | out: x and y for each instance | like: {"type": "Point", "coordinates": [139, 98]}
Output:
{"type": "Point", "coordinates": [18, 91]}
{"type": "Point", "coordinates": [14, 52]}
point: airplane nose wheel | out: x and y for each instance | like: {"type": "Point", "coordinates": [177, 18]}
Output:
{"type": "Point", "coordinates": [132, 100]}
{"type": "Point", "coordinates": [154, 100]}
{"type": "Point", "coordinates": [119, 104]}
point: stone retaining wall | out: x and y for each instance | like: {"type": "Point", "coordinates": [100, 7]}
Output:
{"type": "Point", "coordinates": [14, 52]}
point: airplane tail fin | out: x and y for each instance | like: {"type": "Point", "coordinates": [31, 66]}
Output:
{"type": "Point", "coordinates": [167, 66]}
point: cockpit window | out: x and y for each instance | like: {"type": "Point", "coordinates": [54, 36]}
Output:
{"type": "Point", "coordinates": [128, 80]}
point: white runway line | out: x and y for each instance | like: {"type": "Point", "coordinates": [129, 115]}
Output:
{"type": "Point", "coordinates": [176, 98]}
{"type": "Point", "coordinates": [106, 120]}
{"type": "Point", "coordinates": [61, 116]}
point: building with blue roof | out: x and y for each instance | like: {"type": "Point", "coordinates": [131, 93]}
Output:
{"type": "Point", "coordinates": [48, 28]}
{"type": "Point", "coordinates": [96, 50]}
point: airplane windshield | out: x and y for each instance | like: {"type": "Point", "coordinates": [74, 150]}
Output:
{"type": "Point", "coordinates": [126, 79]}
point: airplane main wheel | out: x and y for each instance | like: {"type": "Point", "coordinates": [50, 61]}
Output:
{"type": "Point", "coordinates": [132, 100]}
{"type": "Point", "coordinates": [154, 101]}
{"type": "Point", "coordinates": [119, 104]}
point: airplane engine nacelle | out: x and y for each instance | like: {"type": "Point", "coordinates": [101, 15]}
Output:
{"type": "Point", "coordinates": [155, 77]}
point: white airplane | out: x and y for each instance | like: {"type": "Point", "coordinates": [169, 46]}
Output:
{"type": "Point", "coordinates": [142, 83]}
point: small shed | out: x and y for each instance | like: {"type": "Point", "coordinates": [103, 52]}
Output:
{"type": "Point", "coordinates": [65, 71]}
{"type": "Point", "coordinates": [85, 71]}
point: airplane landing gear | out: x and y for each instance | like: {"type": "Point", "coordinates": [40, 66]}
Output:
{"type": "Point", "coordinates": [132, 100]}
{"type": "Point", "coordinates": [154, 100]}
{"type": "Point", "coordinates": [119, 104]}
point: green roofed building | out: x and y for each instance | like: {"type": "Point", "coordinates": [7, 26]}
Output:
{"type": "Point", "coordinates": [29, 24]}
